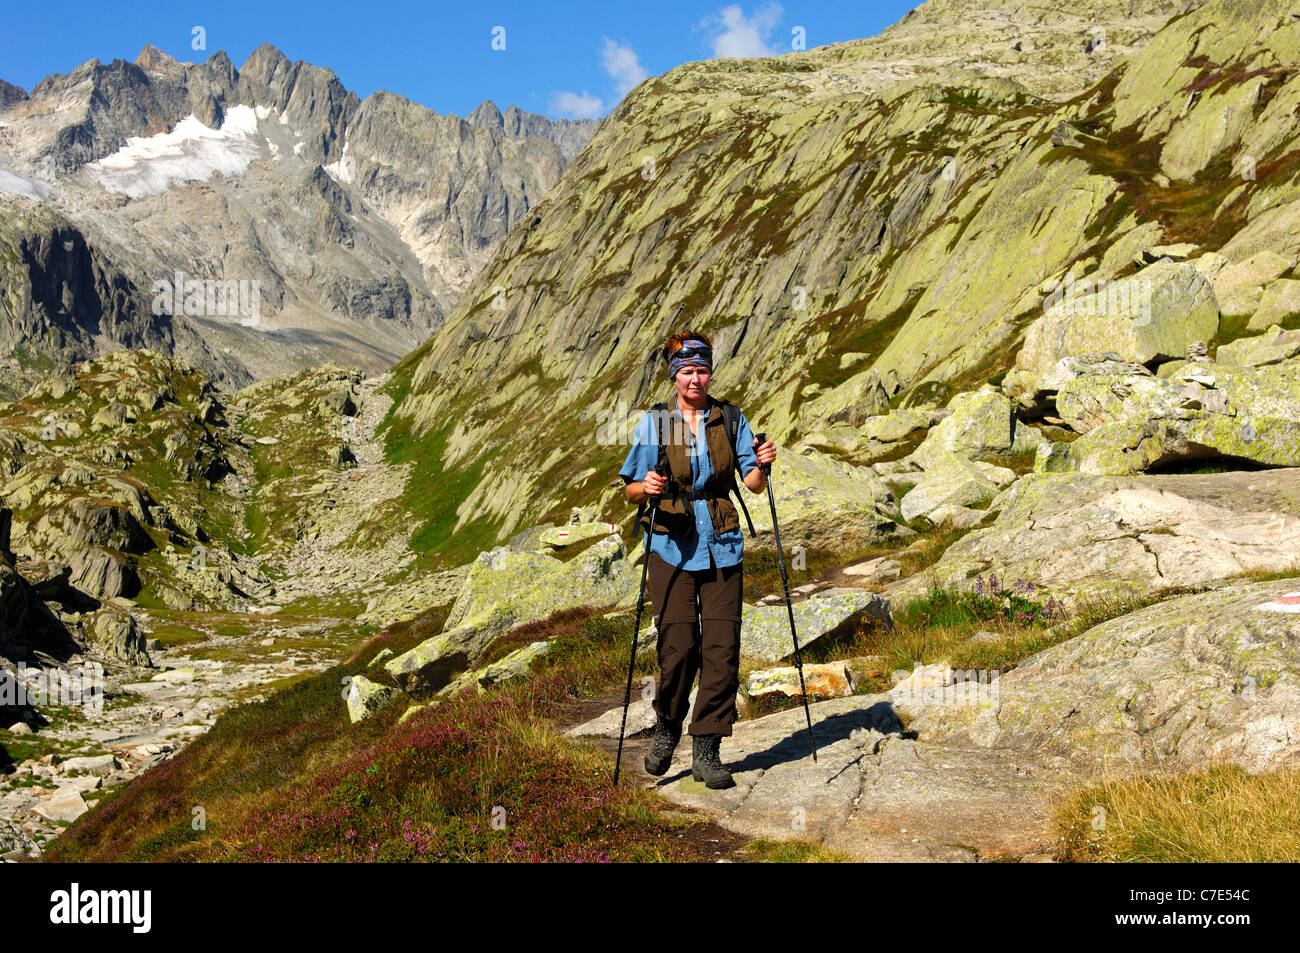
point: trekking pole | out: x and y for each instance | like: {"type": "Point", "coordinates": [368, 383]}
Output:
{"type": "Point", "coordinates": [785, 584]}
{"type": "Point", "coordinates": [659, 468]}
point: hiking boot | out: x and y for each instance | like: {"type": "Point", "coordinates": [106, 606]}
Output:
{"type": "Point", "coordinates": [706, 765]}
{"type": "Point", "coordinates": [662, 744]}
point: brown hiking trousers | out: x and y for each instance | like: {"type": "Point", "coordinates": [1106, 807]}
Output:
{"type": "Point", "coordinates": [712, 649]}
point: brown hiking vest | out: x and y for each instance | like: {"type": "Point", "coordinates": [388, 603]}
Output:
{"type": "Point", "coordinates": [677, 515]}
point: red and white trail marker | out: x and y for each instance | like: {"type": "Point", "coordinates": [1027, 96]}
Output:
{"type": "Point", "coordinates": [1289, 603]}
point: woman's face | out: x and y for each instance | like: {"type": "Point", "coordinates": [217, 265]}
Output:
{"type": "Point", "coordinates": [692, 382]}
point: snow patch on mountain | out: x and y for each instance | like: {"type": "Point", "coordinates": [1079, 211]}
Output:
{"type": "Point", "coordinates": [150, 165]}
{"type": "Point", "coordinates": [17, 184]}
{"type": "Point", "coordinates": [344, 171]}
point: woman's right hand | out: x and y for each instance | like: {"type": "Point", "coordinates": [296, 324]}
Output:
{"type": "Point", "coordinates": [654, 483]}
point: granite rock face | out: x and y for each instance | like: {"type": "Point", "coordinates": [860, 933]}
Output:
{"type": "Point", "coordinates": [1207, 678]}
{"type": "Point", "coordinates": [1082, 535]}
{"type": "Point", "coordinates": [505, 590]}
{"type": "Point", "coordinates": [922, 285]}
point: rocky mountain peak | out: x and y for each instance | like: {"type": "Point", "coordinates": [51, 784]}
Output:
{"type": "Point", "coordinates": [155, 60]}
{"type": "Point", "coordinates": [260, 165]}
{"type": "Point", "coordinates": [10, 94]}
{"type": "Point", "coordinates": [486, 116]}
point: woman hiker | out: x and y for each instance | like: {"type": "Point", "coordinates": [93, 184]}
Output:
{"type": "Point", "coordinates": [695, 555]}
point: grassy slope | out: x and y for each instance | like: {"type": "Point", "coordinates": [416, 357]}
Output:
{"type": "Point", "coordinates": [290, 779]}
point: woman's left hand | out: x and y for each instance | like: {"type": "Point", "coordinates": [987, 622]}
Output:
{"type": "Point", "coordinates": [766, 452]}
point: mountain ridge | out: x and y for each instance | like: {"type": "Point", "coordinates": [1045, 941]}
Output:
{"type": "Point", "coordinates": [207, 170]}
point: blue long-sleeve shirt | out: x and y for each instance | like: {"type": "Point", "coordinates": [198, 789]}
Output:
{"type": "Point", "coordinates": [702, 547]}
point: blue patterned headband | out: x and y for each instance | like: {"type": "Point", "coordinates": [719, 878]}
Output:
{"type": "Point", "coordinates": [692, 351]}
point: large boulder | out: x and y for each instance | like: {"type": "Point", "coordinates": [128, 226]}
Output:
{"type": "Point", "coordinates": [494, 576]}
{"type": "Point", "coordinates": [852, 402]}
{"type": "Point", "coordinates": [1239, 285]}
{"type": "Point", "coordinates": [1279, 302]}
{"type": "Point", "coordinates": [600, 576]}
{"type": "Point", "coordinates": [515, 665]}
{"type": "Point", "coordinates": [1088, 402]}
{"type": "Point", "coordinates": [1036, 391]}
{"type": "Point", "coordinates": [765, 630]}
{"type": "Point", "coordinates": [103, 573]}
{"type": "Point", "coordinates": [365, 697]}
{"type": "Point", "coordinates": [1080, 536]}
{"type": "Point", "coordinates": [115, 630]}
{"type": "Point", "coordinates": [1202, 411]}
{"type": "Point", "coordinates": [822, 503]}
{"type": "Point", "coordinates": [1272, 347]}
{"type": "Point", "coordinates": [950, 481]}
{"type": "Point", "coordinates": [1210, 678]}
{"type": "Point", "coordinates": [1134, 445]}
{"type": "Point", "coordinates": [898, 425]}
{"type": "Point", "coordinates": [1154, 315]}
{"type": "Point", "coordinates": [879, 437]}
{"type": "Point", "coordinates": [980, 423]}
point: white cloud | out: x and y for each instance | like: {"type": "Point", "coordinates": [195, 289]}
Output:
{"type": "Point", "coordinates": [621, 63]}
{"type": "Point", "coordinates": [576, 105]}
{"type": "Point", "coordinates": [739, 36]}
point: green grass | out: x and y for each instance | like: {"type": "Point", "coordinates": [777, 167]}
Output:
{"type": "Point", "coordinates": [768, 851]}
{"type": "Point", "coordinates": [1217, 815]}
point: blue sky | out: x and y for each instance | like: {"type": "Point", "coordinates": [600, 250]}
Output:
{"type": "Point", "coordinates": [563, 59]}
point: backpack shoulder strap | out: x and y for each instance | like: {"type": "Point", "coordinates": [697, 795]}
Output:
{"type": "Point", "coordinates": [657, 413]}
{"type": "Point", "coordinates": [732, 414]}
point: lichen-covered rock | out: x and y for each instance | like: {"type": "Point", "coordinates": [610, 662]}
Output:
{"type": "Point", "coordinates": [949, 481]}
{"type": "Point", "coordinates": [955, 516]}
{"type": "Point", "coordinates": [1155, 314]}
{"type": "Point", "coordinates": [600, 576]}
{"type": "Point", "coordinates": [116, 630]}
{"type": "Point", "coordinates": [1272, 347]}
{"type": "Point", "coordinates": [827, 680]}
{"type": "Point", "coordinates": [111, 416]}
{"type": "Point", "coordinates": [1087, 402]}
{"type": "Point", "coordinates": [981, 422]}
{"type": "Point", "coordinates": [434, 662]}
{"type": "Point", "coordinates": [1213, 124]}
{"type": "Point", "coordinates": [1033, 390]}
{"type": "Point", "coordinates": [103, 573]}
{"type": "Point", "coordinates": [860, 397]}
{"type": "Point", "coordinates": [87, 521]}
{"type": "Point", "coordinates": [822, 503]}
{"type": "Point", "coordinates": [1279, 302]}
{"type": "Point", "coordinates": [765, 631]}
{"type": "Point", "coordinates": [1134, 445]}
{"type": "Point", "coordinates": [1078, 534]}
{"type": "Point", "coordinates": [515, 665]}
{"type": "Point", "coordinates": [366, 697]}
{"type": "Point", "coordinates": [561, 537]}
{"type": "Point", "coordinates": [1201, 411]}
{"type": "Point", "coordinates": [1201, 679]}
{"type": "Point", "coordinates": [900, 424]}
{"type": "Point", "coordinates": [1249, 274]}
{"type": "Point", "coordinates": [494, 576]}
